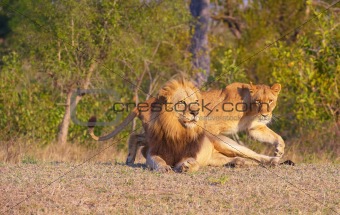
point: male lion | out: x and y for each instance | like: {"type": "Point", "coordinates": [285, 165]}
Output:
{"type": "Point", "coordinates": [174, 139]}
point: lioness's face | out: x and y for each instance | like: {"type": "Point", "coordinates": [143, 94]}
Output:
{"type": "Point", "coordinates": [264, 100]}
{"type": "Point", "coordinates": [186, 106]}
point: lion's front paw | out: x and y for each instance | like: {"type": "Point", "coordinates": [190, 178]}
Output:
{"type": "Point", "coordinates": [164, 169]}
{"type": "Point", "coordinates": [189, 165]}
{"type": "Point", "coordinates": [238, 162]}
{"type": "Point", "coordinates": [130, 160]}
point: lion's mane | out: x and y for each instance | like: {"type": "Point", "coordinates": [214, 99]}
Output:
{"type": "Point", "coordinates": [166, 136]}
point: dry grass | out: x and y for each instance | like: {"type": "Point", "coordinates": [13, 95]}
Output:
{"type": "Point", "coordinates": [21, 151]}
{"type": "Point", "coordinates": [106, 188]}
{"type": "Point", "coordinates": [321, 146]}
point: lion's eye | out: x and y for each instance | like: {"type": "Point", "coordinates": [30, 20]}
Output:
{"type": "Point", "coordinates": [270, 101]}
{"type": "Point", "coordinates": [257, 101]}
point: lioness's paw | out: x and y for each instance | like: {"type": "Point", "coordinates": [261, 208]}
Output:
{"type": "Point", "coordinates": [274, 161]}
{"type": "Point", "coordinates": [189, 165]}
{"type": "Point", "coordinates": [164, 169]}
{"type": "Point", "coordinates": [279, 150]}
{"type": "Point", "coordinates": [278, 153]}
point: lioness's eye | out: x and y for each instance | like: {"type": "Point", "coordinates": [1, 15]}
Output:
{"type": "Point", "coordinates": [270, 101]}
{"type": "Point", "coordinates": [257, 101]}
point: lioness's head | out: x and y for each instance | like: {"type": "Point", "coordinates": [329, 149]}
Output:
{"type": "Point", "coordinates": [263, 100]}
{"type": "Point", "coordinates": [181, 98]}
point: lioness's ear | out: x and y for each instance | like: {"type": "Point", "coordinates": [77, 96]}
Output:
{"type": "Point", "coordinates": [276, 88]}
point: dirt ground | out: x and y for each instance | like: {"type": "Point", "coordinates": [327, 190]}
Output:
{"type": "Point", "coordinates": [109, 188]}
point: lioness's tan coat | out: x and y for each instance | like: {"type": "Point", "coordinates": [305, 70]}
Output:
{"type": "Point", "coordinates": [225, 114]}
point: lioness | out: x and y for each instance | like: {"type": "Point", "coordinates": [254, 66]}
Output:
{"type": "Point", "coordinates": [173, 137]}
{"type": "Point", "coordinates": [242, 107]}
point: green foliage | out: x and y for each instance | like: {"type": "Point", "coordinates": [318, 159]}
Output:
{"type": "Point", "coordinates": [54, 44]}
{"type": "Point", "coordinates": [227, 71]}
{"type": "Point", "coordinates": [310, 75]}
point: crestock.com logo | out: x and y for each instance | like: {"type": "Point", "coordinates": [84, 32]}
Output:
{"type": "Point", "coordinates": [103, 92]}
{"type": "Point", "coordinates": [117, 108]}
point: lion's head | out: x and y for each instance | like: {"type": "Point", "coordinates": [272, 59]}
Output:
{"type": "Point", "coordinates": [264, 100]}
{"type": "Point", "coordinates": [180, 110]}
{"type": "Point", "coordinates": [173, 132]}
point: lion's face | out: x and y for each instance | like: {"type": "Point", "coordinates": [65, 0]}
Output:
{"type": "Point", "coordinates": [186, 106]}
{"type": "Point", "coordinates": [182, 100]}
{"type": "Point", "coordinates": [263, 100]}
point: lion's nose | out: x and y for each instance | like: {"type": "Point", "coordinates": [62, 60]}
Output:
{"type": "Point", "coordinates": [194, 113]}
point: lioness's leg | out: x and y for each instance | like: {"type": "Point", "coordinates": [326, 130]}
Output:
{"type": "Point", "coordinates": [187, 165]}
{"type": "Point", "coordinates": [230, 148]}
{"type": "Point", "coordinates": [135, 141]}
{"type": "Point", "coordinates": [265, 134]}
{"type": "Point", "coordinates": [155, 162]}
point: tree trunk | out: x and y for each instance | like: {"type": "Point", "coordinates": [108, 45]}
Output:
{"type": "Point", "coordinates": [199, 42]}
{"type": "Point", "coordinates": [136, 98]}
{"type": "Point", "coordinates": [63, 130]}
{"type": "Point", "coordinates": [64, 126]}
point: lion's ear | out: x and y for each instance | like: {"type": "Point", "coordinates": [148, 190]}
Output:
{"type": "Point", "coordinates": [276, 88]}
{"type": "Point", "coordinates": [252, 89]}
{"type": "Point", "coordinates": [163, 95]}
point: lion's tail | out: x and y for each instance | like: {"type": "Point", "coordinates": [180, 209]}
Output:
{"type": "Point", "coordinates": [127, 120]}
